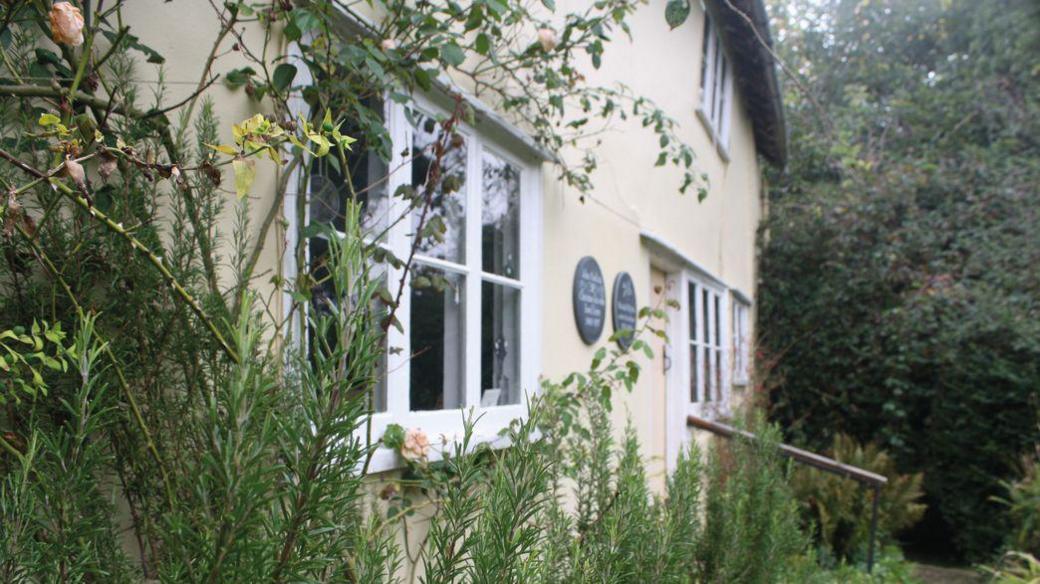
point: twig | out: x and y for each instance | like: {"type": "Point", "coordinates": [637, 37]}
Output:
{"type": "Point", "coordinates": [137, 245]}
{"type": "Point", "coordinates": [138, 418]}
{"type": "Point", "coordinates": [783, 66]}
{"type": "Point", "coordinates": [194, 95]}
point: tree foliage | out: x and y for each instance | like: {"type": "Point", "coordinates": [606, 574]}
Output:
{"type": "Point", "coordinates": [900, 294]}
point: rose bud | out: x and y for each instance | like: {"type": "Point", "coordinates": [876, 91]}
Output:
{"type": "Point", "coordinates": [547, 38]}
{"type": "Point", "coordinates": [66, 24]}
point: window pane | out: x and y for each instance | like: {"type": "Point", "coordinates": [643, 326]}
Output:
{"type": "Point", "coordinates": [706, 338]}
{"type": "Point", "coordinates": [448, 198]}
{"type": "Point", "coordinates": [705, 56]}
{"type": "Point", "coordinates": [324, 300]}
{"type": "Point", "coordinates": [500, 217]}
{"type": "Point", "coordinates": [718, 375]}
{"type": "Point", "coordinates": [717, 55]}
{"type": "Point", "coordinates": [330, 190]}
{"type": "Point", "coordinates": [709, 378]}
{"type": "Point", "coordinates": [500, 345]}
{"type": "Point", "coordinates": [694, 374]}
{"type": "Point", "coordinates": [692, 309]}
{"type": "Point", "coordinates": [737, 345]}
{"type": "Point", "coordinates": [437, 339]}
{"type": "Point", "coordinates": [721, 93]}
{"type": "Point", "coordinates": [718, 328]}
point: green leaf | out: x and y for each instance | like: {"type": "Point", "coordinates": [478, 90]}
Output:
{"type": "Point", "coordinates": [305, 20]}
{"type": "Point", "coordinates": [452, 54]}
{"type": "Point", "coordinates": [245, 174]}
{"type": "Point", "coordinates": [223, 149]}
{"type": "Point", "coordinates": [293, 32]}
{"type": "Point", "coordinates": [49, 120]}
{"type": "Point", "coordinates": [283, 76]}
{"type": "Point", "coordinates": [676, 12]}
{"type": "Point", "coordinates": [424, 79]}
{"type": "Point", "coordinates": [483, 44]}
{"type": "Point", "coordinates": [151, 55]}
{"type": "Point", "coordinates": [238, 77]}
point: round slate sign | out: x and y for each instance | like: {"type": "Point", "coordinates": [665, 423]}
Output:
{"type": "Point", "coordinates": [623, 310]}
{"type": "Point", "coordinates": [590, 299]}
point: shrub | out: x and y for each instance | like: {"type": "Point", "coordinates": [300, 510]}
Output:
{"type": "Point", "coordinates": [890, 568]}
{"type": "Point", "coordinates": [1023, 505]}
{"type": "Point", "coordinates": [751, 531]}
{"type": "Point", "coordinates": [840, 511]}
{"type": "Point", "coordinates": [1016, 568]}
{"type": "Point", "coordinates": [897, 284]}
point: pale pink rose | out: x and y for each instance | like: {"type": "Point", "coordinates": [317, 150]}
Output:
{"type": "Point", "coordinates": [74, 170]}
{"type": "Point", "coordinates": [388, 44]}
{"type": "Point", "coordinates": [416, 445]}
{"type": "Point", "coordinates": [66, 24]}
{"type": "Point", "coordinates": [547, 38]}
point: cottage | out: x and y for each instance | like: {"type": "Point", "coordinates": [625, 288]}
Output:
{"type": "Point", "coordinates": [509, 270]}
{"type": "Point", "coordinates": [516, 234]}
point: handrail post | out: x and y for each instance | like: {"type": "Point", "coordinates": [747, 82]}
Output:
{"type": "Point", "coordinates": [873, 528]}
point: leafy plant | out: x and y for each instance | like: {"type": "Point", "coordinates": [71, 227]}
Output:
{"type": "Point", "coordinates": [1023, 504]}
{"type": "Point", "coordinates": [1016, 568]}
{"type": "Point", "coordinates": [890, 568]}
{"type": "Point", "coordinates": [897, 297]}
{"type": "Point", "coordinates": [840, 511]}
{"type": "Point", "coordinates": [25, 355]}
{"type": "Point", "coordinates": [752, 532]}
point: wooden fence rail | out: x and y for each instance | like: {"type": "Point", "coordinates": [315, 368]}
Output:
{"type": "Point", "coordinates": [872, 480]}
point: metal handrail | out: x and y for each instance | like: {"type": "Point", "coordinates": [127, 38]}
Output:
{"type": "Point", "coordinates": [871, 479]}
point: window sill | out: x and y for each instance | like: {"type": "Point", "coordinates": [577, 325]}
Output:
{"type": "Point", "coordinates": [721, 146]}
{"type": "Point", "coordinates": [443, 428]}
{"type": "Point", "coordinates": [387, 460]}
{"type": "Point", "coordinates": [709, 410]}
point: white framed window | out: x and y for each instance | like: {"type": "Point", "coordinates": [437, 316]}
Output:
{"type": "Point", "coordinates": [741, 346]}
{"type": "Point", "coordinates": [469, 338]}
{"type": "Point", "coordinates": [707, 347]}
{"type": "Point", "coordinates": [716, 87]}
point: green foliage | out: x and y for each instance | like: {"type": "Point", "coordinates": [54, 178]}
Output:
{"type": "Point", "coordinates": [1022, 501]}
{"type": "Point", "coordinates": [1016, 568]}
{"type": "Point", "coordinates": [840, 511]}
{"type": "Point", "coordinates": [899, 283]}
{"type": "Point", "coordinates": [752, 530]}
{"type": "Point", "coordinates": [56, 511]}
{"type": "Point", "coordinates": [25, 355]}
{"type": "Point", "coordinates": [890, 568]}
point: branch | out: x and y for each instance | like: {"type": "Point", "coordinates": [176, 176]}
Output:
{"type": "Point", "coordinates": [153, 259]}
{"type": "Point", "coordinates": [783, 66]}
{"type": "Point", "coordinates": [57, 93]}
{"type": "Point", "coordinates": [138, 418]}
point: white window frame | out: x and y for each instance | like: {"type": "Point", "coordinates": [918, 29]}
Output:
{"type": "Point", "coordinates": [444, 427]}
{"type": "Point", "coordinates": [741, 343]}
{"type": "Point", "coordinates": [719, 404]}
{"type": "Point", "coordinates": [715, 105]}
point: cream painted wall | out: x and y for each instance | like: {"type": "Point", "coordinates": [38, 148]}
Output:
{"type": "Point", "coordinates": [184, 33]}
{"type": "Point", "coordinates": [632, 195]}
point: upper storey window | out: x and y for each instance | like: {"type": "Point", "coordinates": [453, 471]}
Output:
{"type": "Point", "coordinates": [716, 99]}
